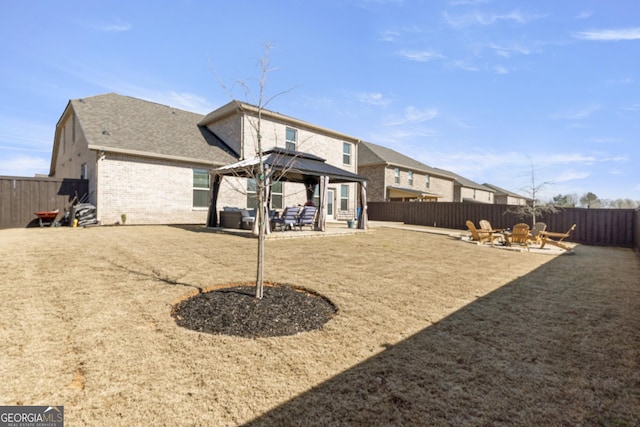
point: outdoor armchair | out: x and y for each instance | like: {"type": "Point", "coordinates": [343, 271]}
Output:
{"type": "Point", "coordinates": [289, 218]}
{"type": "Point", "coordinates": [548, 237]}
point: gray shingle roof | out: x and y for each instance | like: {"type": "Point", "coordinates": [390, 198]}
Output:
{"type": "Point", "coordinates": [502, 191]}
{"type": "Point", "coordinates": [124, 123]}
{"type": "Point", "coordinates": [465, 182]}
{"type": "Point", "coordinates": [373, 154]}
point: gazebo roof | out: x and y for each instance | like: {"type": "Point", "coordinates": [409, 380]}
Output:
{"type": "Point", "coordinates": [291, 166]}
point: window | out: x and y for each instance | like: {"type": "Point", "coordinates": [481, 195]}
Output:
{"type": "Point", "coordinates": [316, 196]}
{"type": "Point", "coordinates": [252, 193]}
{"type": "Point", "coordinates": [411, 178]}
{"type": "Point", "coordinates": [396, 176]}
{"type": "Point", "coordinates": [346, 153]}
{"type": "Point", "coordinates": [291, 139]}
{"type": "Point", "coordinates": [427, 181]}
{"type": "Point", "coordinates": [200, 188]}
{"type": "Point", "coordinates": [83, 171]}
{"type": "Point", "coordinates": [277, 195]}
{"type": "Point", "coordinates": [344, 197]}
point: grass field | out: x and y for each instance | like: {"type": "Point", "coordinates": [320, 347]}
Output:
{"type": "Point", "coordinates": [430, 330]}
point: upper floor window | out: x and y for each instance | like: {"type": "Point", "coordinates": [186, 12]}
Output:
{"type": "Point", "coordinates": [291, 139]}
{"type": "Point", "coordinates": [396, 175]}
{"type": "Point", "coordinates": [411, 178]}
{"type": "Point", "coordinates": [200, 188]}
{"type": "Point", "coordinates": [346, 153]}
{"type": "Point", "coordinates": [427, 181]}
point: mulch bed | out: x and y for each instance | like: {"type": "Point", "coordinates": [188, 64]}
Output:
{"type": "Point", "coordinates": [283, 310]}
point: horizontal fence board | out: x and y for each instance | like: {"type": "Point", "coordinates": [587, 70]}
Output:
{"type": "Point", "coordinates": [602, 227]}
{"type": "Point", "coordinates": [21, 197]}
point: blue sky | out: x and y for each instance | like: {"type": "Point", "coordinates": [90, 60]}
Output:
{"type": "Point", "coordinates": [485, 88]}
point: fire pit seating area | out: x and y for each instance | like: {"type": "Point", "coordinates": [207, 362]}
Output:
{"type": "Point", "coordinates": [239, 218]}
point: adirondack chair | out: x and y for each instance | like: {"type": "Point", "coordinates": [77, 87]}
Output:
{"type": "Point", "coordinates": [548, 237]}
{"type": "Point", "coordinates": [479, 235]}
{"type": "Point", "coordinates": [497, 232]}
{"type": "Point", "coordinates": [307, 217]}
{"type": "Point", "coordinates": [519, 235]}
{"type": "Point", "coordinates": [289, 218]}
{"type": "Point", "coordinates": [535, 232]}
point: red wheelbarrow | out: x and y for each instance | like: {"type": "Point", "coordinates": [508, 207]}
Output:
{"type": "Point", "coordinates": [47, 218]}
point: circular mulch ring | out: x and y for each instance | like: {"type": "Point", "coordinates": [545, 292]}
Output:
{"type": "Point", "coordinates": [283, 310]}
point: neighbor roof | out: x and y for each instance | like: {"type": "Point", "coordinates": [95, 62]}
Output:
{"type": "Point", "coordinates": [465, 182]}
{"type": "Point", "coordinates": [503, 192]}
{"type": "Point", "coordinates": [133, 126]}
{"type": "Point", "coordinates": [370, 154]}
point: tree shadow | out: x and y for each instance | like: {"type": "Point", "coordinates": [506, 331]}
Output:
{"type": "Point", "coordinates": [554, 347]}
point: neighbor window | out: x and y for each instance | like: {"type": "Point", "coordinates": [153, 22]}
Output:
{"type": "Point", "coordinates": [411, 178]}
{"type": "Point", "coordinates": [291, 139]}
{"type": "Point", "coordinates": [344, 197]}
{"type": "Point", "coordinates": [200, 188]}
{"type": "Point", "coordinates": [396, 176]}
{"type": "Point", "coordinates": [346, 153]}
{"type": "Point", "coordinates": [427, 181]}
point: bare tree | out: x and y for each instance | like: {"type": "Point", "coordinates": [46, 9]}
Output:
{"type": "Point", "coordinates": [263, 176]}
{"type": "Point", "coordinates": [535, 209]}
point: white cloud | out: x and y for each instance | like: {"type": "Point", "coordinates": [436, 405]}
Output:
{"type": "Point", "coordinates": [464, 65]}
{"type": "Point", "coordinates": [389, 36]}
{"type": "Point", "coordinates": [584, 15]}
{"type": "Point", "coordinates": [571, 175]}
{"type": "Point", "coordinates": [578, 114]}
{"type": "Point", "coordinates": [466, 2]}
{"type": "Point", "coordinates": [609, 35]}
{"type": "Point", "coordinates": [412, 114]}
{"type": "Point", "coordinates": [508, 51]}
{"type": "Point", "coordinates": [373, 98]}
{"type": "Point", "coordinates": [22, 165]}
{"type": "Point", "coordinates": [420, 55]}
{"type": "Point", "coordinates": [501, 69]}
{"type": "Point", "coordinates": [477, 18]}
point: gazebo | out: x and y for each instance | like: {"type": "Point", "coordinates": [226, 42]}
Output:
{"type": "Point", "coordinates": [292, 166]}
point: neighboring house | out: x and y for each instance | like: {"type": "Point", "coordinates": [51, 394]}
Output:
{"type": "Point", "coordinates": [506, 197]}
{"type": "Point", "coordinates": [152, 162]}
{"type": "Point", "coordinates": [468, 191]}
{"type": "Point", "coordinates": [396, 177]}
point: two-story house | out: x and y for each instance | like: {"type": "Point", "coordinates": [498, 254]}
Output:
{"type": "Point", "coordinates": [395, 177]}
{"type": "Point", "coordinates": [506, 197]}
{"type": "Point", "coordinates": [152, 163]}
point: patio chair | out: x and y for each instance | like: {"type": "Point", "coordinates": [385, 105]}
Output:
{"type": "Point", "coordinates": [548, 237]}
{"type": "Point", "coordinates": [497, 232]}
{"type": "Point", "coordinates": [519, 235]}
{"type": "Point", "coordinates": [535, 232]}
{"type": "Point", "coordinates": [288, 219]}
{"type": "Point", "coordinates": [479, 236]}
{"type": "Point", "coordinates": [307, 217]}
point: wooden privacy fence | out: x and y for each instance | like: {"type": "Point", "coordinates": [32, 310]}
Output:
{"type": "Point", "coordinates": [20, 197]}
{"type": "Point", "coordinates": [603, 227]}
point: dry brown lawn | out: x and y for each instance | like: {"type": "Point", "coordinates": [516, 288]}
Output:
{"type": "Point", "coordinates": [430, 331]}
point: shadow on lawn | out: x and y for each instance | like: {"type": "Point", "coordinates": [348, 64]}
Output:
{"type": "Point", "coordinates": [550, 348]}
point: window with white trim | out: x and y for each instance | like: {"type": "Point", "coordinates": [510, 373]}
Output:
{"type": "Point", "coordinates": [83, 171]}
{"type": "Point", "coordinates": [396, 175]}
{"type": "Point", "coordinates": [277, 196]}
{"type": "Point", "coordinates": [291, 139]}
{"type": "Point", "coordinates": [427, 181]}
{"type": "Point", "coordinates": [344, 197]}
{"type": "Point", "coordinates": [410, 178]}
{"type": "Point", "coordinates": [200, 188]}
{"type": "Point", "coordinates": [346, 153]}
